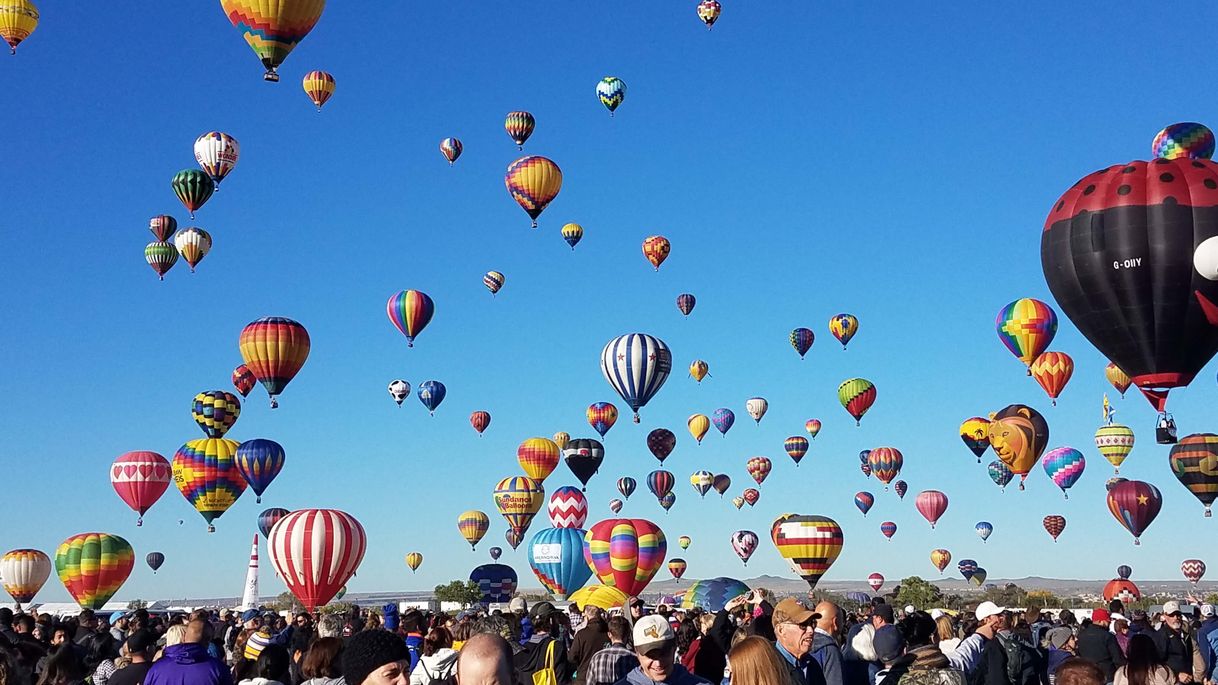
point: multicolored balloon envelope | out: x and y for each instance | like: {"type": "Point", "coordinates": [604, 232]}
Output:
{"type": "Point", "coordinates": [140, 478]}
{"type": "Point", "coordinates": [1052, 370]}
{"type": "Point", "coordinates": [215, 411]}
{"type": "Point", "coordinates": [410, 311]}
{"type": "Point", "coordinates": [273, 29]}
{"type": "Point", "coordinates": [206, 474]}
{"type": "Point", "coordinates": [584, 457]}
{"type": "Point", "coordinates": [1019, 434]}
{"type": "Point", "coordinates": [1186, 140]}
{"type": "Point", "coordinates": [23, 573]}
{"type": "Point", "coordinates": [259, 461]}
{"type": "Point", "coordinates": [931, 504]}
{"type": "Point", "coordinates": [603, 596]}
{"type": "Point", "coordinates": [661, 442]}
{"type": "Point", "coordinates": [533, 182]}
{"type": "Point", "coordinates": [843, 327]}
{"type": "Point", "coordinates": [274, 349]}
{"type": "Point", "coordinates": [556, 556]}
{"type": "Point", "coordinates": [268, 518]}
{"type": "Point", "coordinates": [1054, 525]}
{"type": "Point", "coordinates": [856, 395]}
{"type": "Point", "coordinates": [1135, 505]}
{"type": "Point", "coordinates": [1026, 326]}
{"type": "Point", "coordinates": [975, 432]}
{"type": "Point", "coordinates": [538, 457]}
{"type": "Point", "coordinates": [625, 553]}
{"type": "Point", "coordinates": [1194, 462]}
{"type": "Point", "coordinates": [810, 544]}
{"type": "Point", "coordinates": [711, 594]}
{"type": "Point", "coordinates": [1115, 442]}
{"type": "Point", "coordinates": [93, 566]}
{"type": "Point", "coordinates": [473, 526]}
{"type": "Point", "coordinates": [496, 581]}
{"type": "Point", "coordinates": [315, 552]}
{"type": "Point", "coordinates": [1122, 589]}
{"type": "Point", "coordinates": [1064, 466]}
{"type": "Point", "coordinates": [886, 463]}
{"type": "Point", "coordinates": [940, 558]}
{"type": "Point", "coordinates": [519, 498]}
{"type": "Point", "coordinates": [724, 419]}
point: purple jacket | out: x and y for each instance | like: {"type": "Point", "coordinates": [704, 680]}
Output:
{"type": "Point", "coordinates": [188, 664]}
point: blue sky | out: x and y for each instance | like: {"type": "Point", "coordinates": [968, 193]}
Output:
{"type": "Point", "coordinates": [896, 163]}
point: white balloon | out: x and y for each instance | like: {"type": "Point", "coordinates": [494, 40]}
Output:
{"type": "Point", "coordinates": [1205, 259]}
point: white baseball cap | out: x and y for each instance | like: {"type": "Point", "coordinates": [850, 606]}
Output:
{"type": "Point", "coordinates": [651, 632]}
{"type": "Point", "coordinates": [936, 613]}
{"type": "Point", "coordinates": [988, 609]}
{"type": "Point", "coordinates": [909, 609]}
{"type": "Point", "coordinates": [1207, 609]}
{"type": "Point", "coordinates": [1172, 607]}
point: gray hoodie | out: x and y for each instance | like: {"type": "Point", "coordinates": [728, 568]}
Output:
{"type": "Point", "coordinates": [435, 667]}
{"type": "Point", "coordinates": [829, 656]}
{"type": "Point", "coordinates": [679, 676]}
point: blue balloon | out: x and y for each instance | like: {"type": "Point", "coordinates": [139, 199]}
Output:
{"type": "Point", "coordinates": [723, 419]}
{"type": "Point", "coordinates": [984, 528]}
{"type": "Point", "coordinates": [711, 594]}
{"type": "Point", "coordinates": [859, 597]}
{"type": "Point", "coordinates": [557, 558]}
{"type": "Point", "coordinates": [155, 559]}
{"type": "Point", "coordinates": [496, 581]}
{"type": "Point", "coordinates": [967, 568]}
{"type": "Point", "coordinates": [431, 394]}
{"type": "Point", "coordinates": [259, 461]}
{"type": "Point", "coordinates": [268, 518]}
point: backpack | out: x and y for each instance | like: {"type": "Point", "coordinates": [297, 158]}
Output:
{"type": "Point", "coordinates": [1021, 659]}
{"type": "Point", "coordinates": [450, 679]}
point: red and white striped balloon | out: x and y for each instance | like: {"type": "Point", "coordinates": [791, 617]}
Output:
{"type": "Point", "coordinates": [316, 551]}
{"type": "Point", "coordinates": [568, 508]}
{"type": "Point", "coordinates": [1193, 570]}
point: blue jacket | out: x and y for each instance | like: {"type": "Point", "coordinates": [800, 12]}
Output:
{"type": "Point", "coordinates": [414, 643]}
{"type": "Point", "coordinates": [1207, 629]}
{"type": "Point", "coordinates": [188, 664]}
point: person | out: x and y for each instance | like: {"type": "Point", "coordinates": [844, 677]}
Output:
{"type": "Point", "coordinates": [1038, 624]}
{"type": "Point", "coordinates": [1209, 625]}
{"type": "Point", "coordinates": [412, 625]}
{"type": "Point", "coordinates": [322, 663]}
{"type": "Point", "coordinates": [1120, 630]}
{"type": "Point", "coordinates": [577, 618]}
{"type": "Point", "coordinates": [271, 667]}
{"type": "Point", "coordinates": [794, 627]}
{"type": "Point", "coordinates": [1175, 643]}
{"type": "Point", "coordinates": [86, 624]}
{"type": "Point", "coordinates": [188, 663]}
{"type": "Point", "coordinates": [63, 667]}
{"type": "Point", "coordinates": [543, 650]}
{"type": "Point", "coordinates": [824, 642]}
{"type": "Point", "coordinates": [689, 642]}
{"type": "Point", "coordinates": [923, 663]}
{"type": "Point", "coordinates": [1145, 666]}
{"type": "Point", "coordinates": [612, 663]}
{"type": "Point", "coordinates": [438, 661]}
{"type": "Point", "coordinates": [945, 634]}
{"type": "Point", "coordinates": [588, 640]}
{"type": "Point", "coordinates": [1062, 647]}
{"type": "Point", "coordinates": [655, 646]}
{"type": "Point", "coordinates": [376, 657]}
{"type": "Point", "coordinates": [99, 657]}
{"type": "Point", "coordinates": [330, 625]}
{"type": "Point", "coordinates": [118, 626]}
{"type": "Point", "coordinates": [1079, 671]}
{"type": "Point", "coordinates": [859, 664]}
{"type": "Point", "coordinates": [141, 645]}
{"type": "Point", "coordinates": [1099, 646]}
{"type": "Point", "coordinates": [1007, 659]}
{"type": "Point", "coordinates": [889, 651]}
{"type": "Point", "coordinates": [6, 626]}
{"type": "Point", "coordinates": [484, 659]}
{"type": "Point", "coordinates": [755, 661]}
{"type": "Point", "coordinates": [967, 655]}
{"type": "Point", "coordinates": [519, 608]}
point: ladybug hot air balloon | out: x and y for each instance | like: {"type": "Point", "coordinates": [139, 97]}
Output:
{"type": "Point", "coordinates": [274, 349]}
{"type": "Point", "coordinates": [856, 395]}
{"type": "Point", "coordinates": [1052, 370]}
{"type": "Point", "coordinates": [636, 365]}
{"type": "Point", "coordinates": [244, 380]}
{"type": "Point", "coordinates": [886, 463]}
{"type": "Point", "coordinates": [1019, 434]}
{"type": "Point", "coordinates": [931, 504]}
{"type": "Point", "coordinates": [1054, 525]}
{"type": "Point", "coordinates": [1116, 250]}
{"type": "Point", "coordinates": [93, 566]}
{"type": "Point", "coordinates": [1194, 462]}
{"type": "Point", "coordinates": [259, 461]}
{"type": "Point", "coordinates": [410, 311]}
{"type": "Point", "coordinates": [140, 478]}
{"type": "Point", "coordinates": [518, 499]}
{"type": "Point", "coordinates": [1135, 505]}
{"type": "Point", "coordinates": [601, 416]}
{"type": "Point", "coordinates": [975, 433]}
{"type": "Point", "coordinates": [473, 526]}
{"type": "Point", "coordinates": [206, 474]}
{"type": "Point", "coordinates": [23, 573]}
{"type": "Point", "coordinates": [625, 553]}
{"type": "Point", "coordinates": [315, 552]}
{"type": "Point", "coordinates": [273, 29]}
{"type": "Point", "coordinates": [656, 249]}
{"type": "Point", "coordinates": [533, 182]}
{"type": "Point", "coordinates": [1026, 327]}
{"type": "Point", "coordinates": [319, 86]}
{"type": "Point", "coordinates": [810, 544]}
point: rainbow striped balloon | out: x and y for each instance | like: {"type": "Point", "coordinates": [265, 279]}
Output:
{"type": "Point", "coordinates": [410, 311]}
{"type": "Point", "coordinates": [625, 553]}
{"type": "Point", "coordinates": [274, 348]}
{"type": "Point", "coordinates": [206, 474]}
{"type": "Point", "coordinates": [538, 457]}
{"type": "Point", "coordinates": [93, 566]}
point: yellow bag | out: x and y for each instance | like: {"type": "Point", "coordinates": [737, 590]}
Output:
{"type": "Point", "coordinates": [546, 675]}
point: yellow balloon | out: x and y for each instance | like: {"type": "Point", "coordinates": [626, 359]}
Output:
{"type": "Point", "coordinates": [18, 19]}
{"type": "Point", "coordinates": [414, 560]}
{"type": "Point", "coordinates": [698, 425]}
{"type": "Point", "coordinates": [561, 438]}
{"type": "Point", "coordinates": [699, 370]}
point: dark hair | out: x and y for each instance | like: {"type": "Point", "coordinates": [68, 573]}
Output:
{"type": "Point", "coordinates": [1078, 671]}
{"type": "Point", "coordinates": [273, 662]}
{"type": "Point", "coordinates": [687, 632]}
{"type": "Point", "coordinates": [1116, 606]}
{"type": "Point", "coordinates": [439, 638]}
{"type": "Point", "coordinates": [6, 616]}
{"type": "Point", "coordinates": [918, 629]}
{"type": "Point", "coordinates": [322, 660]}
{"type": "Point", "coordinates": [1143, 659]}
{"type": "Point", "coordinates": [62, 667]}
{"type": "Point", "coordinates": [1067, 617]}
{"type": "Point", "coordinates": [25, 621]}
{"type": "Point", "coordinates": [619, 628]}
{"type": "Point", "coordinates": [301, 637]}
{"type": "Point", "coordinates": [85, 615]}
{"type": "Point", "coordinates": [243, 669]}
{"type": "Point", "coordinates": [412, 621]}
{"type": "Point", "coordinates": [100, 647]}
{"type": "Point", "coordinates": [463, 630]}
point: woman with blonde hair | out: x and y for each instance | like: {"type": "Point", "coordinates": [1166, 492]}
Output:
{"type": "Point", "coordinates": [754, 661]}
{"type": "Point", "coordinates": [946, 635]}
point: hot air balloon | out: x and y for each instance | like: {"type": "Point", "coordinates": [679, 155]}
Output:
{"type": "Point", "coordinates": [810, 544]}
{"type": "Point", "coordinates": [193, 243]}
{"type": "Point", "coordinates": [751, 496]}
{"type": "Point", "coordinates": [636, 365]}
{"type": "Point", "coordinates": [669, 499]}
{"type": "Point", "coordinates": [206, 474]}
{"type": "Point", "coordinates": [698, 425]}
{"type": "Point", "coordinates": [1113, 440]}
{"type": "Point", "coordinates": [431, 394]}
{"type": "Point", "coordinates": [584, 457]}
{"type": "Point", "coordinates": [319, 86]}
{"type": "Point", "coordinates": [1187, 140]}
{"type": "Point", "coordinates": [698, 370]}
{"type": "Point", "coordinates": [268, 518]}
{"type": "Point", "coordinates": [626, 486]}
{"type": "Point", "coordinates": [162, 227]}
{"type": "Point", "coordinates": [615, 505]}
{"type": "Point", "coordinates": [656, 249]}
{"type": "Point", "coordinates": [708, 12]}
{"type": "Point", "coordinates": [611, 91]}
{"type": "Point", "coordinates": [602, 416]}
{"type": "Point", "coordinates": [813, 427]}
{"type": "Point", "coordinates": [217, 154]}
{"type": "Point", "coordinates": [1064, 466]}
{"type": "Point", "coordinates": [24, 571]}
{"type": "Point", "coordinates": [931, 504]}
{"type": "Point", "coordinates": [538, 457]}
{"type": "Point", "coordinates": [796, 447]}
{"type": "Point", "coordinates": [215, 411]}
{"type": "Point", "coordinates": [744, 542]}
{"type": "Point", "coordinates": [399, 390]}
{"type": "Point", "coordinates": [888, 528]}
{"type": "Point", "coordinates": [155, 560]}
{"type": "Point", "coordinates": [1026, 327]}
{"type": "Point", "coordinates": [533, 182]}
{"type": "Point", "coordinates": [1118, 378]}
{"type": "Point", "coordinates": [722, 483]}
{"type": "Point", "coordinates": [876, 581]}
{"type": "Point", "coordinates": [1193, 570]}
{"type": "Point", "coordinates": [161, 256]}
{"type": "Point", "coordinates": [866, 469]}
{"type": "Point", "coordinates": [493, 280]}
{"type": "Point", "coordinates": [495, 553]}
{"type": "Point", "coordinates": [473, 526]}
{"type": "Point", "coordinates": [738, 502]}
{"type": "Point", "coordinates": [519, 498]}
{"type": "Point", "coordinates": [759, 468]}
{"type": "Point", "coordinates": [1000, 474]}
{"type": "Point", "coordinates": [1113, 481]}
{"type": "Point", "coordinates": [967, 568]}
{"type": "Point", "coordinates": [244, 380]}
{"type": "Point", "coordinates": [410, 311]}
{"type": "Point", "coordinates": [1135, 505]}
{"type": "Point", "coordinates": [677, 568]}
{"type": "Point", "coordinates": [1019, 435]}
{"type": "Point", "coordinates": [686, 302]}
{"type": "Point", "coordinates": [572, 233]}
{"type": "Point", "coordinates": [561, 438]}
{"type": "Point", "coordinates": [480, 420]}
{"type": "Point", "coordinates": [661, 442]}
{"type": "Point", "coordinates": [451, 149]}
{"type": "Point", "coordinates": [272, 30]}
{"type": "Point", "coordinates": [843, 327]}
{"type": "Point", "coordinates": [900, 487]}
{"type": "Point", "coordinates": [602, 596]}
{"type": "Point", "coordinates": [497, 582]}
{"type": "Point", "coordinates": [519, 126]}
{"type": "Point", "coordinates": [556, 556]}
{"type": "Point", "coordinates": [886, 463]}
{"type": "Point", "coordinates": [140, 478]}
{"type": "Point", "coordinates": [1054, 525]}
{"type": "Point", "coordinates": [712, 594]}
{"type": "Point", "coordinates": [940, 558]}
{"type": "Point", "coordinates": [18, 19]}
{"type": "Point", "coordinates": [702, 481]}
{"type": "Point", "coordinates": [315, 552]}
{"type": "Point", "coordinates": [1114, 252]}
{"type": "Point", "coordinates": [414, 560]}
{"type": "Point", "coordinates": [801, 340]}
{"type": "Point", "coordinates": [1122, 589]}
{"type": "Point", "coordinates": [513, 538]}
{"type": "Point", "coordinates": [93, 566]}
{"type": "Point", "coordinates": [1194, 462]}
{"type": "Point", "coordinates": [568, 508]}
{"type": "Point", "coordinates": [975, 433]}
{"type": "Point", "coordinates": [193, 188]}
{"type": "Point", "coordinates": [724, 419]}
{"type": "Point", "coordinates": [274, 349]}
{"type": "Point", "coordinates": [984, 530]}
{"type": "Point", "coordinates": [757, 407]}
{"type": "Point", "coordinates": [259, 461]}
{"type": "Point", "coordinates": [856, 395]}
{"type": "Point", "coordinates": [864, 500]}
{"type": "Point", "coordinates": [625, 553]}
{"type": "Point", "coordinates": [660, 482]}
{"type": "Point", "coordinates": [1124, 571]}
{"type": "Point", "coordinates": [1053, 371]}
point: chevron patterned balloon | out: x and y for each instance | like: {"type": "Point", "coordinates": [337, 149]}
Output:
{"type": "Point", "coordinates": [568, 508]}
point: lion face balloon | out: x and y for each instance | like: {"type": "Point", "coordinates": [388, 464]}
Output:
{"type": "Point", "coordinates": [1019, 435]}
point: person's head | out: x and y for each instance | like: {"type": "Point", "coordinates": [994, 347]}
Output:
{"type": "Point", "coordinates": [23, 624]}
{"type": "Point", "coordinates": [882, 615]}
{"type": "Point", "coordinates": [98, 648]}
{"type": "Point", "coordinates": [376, 657]}
{"type": "Point", "coordinates": [918, 629]}
{"type": "Point", "coordinates": [619, 630]}
{"type": "Point", "coordinates": [1076, 671]}
{"type": "Point", "coordinates": [991, 616]}
{"type": "Point", "coordinates": [687, 632]}
{"type": "Point", "coordinates": [1172, 615]}
{"type": "Point", "coordinates": [830, 619]}
{"type": "Point", "coordinates": [705, 621]}
{"type": "Point", "coordinates": [637, 608]}
{"type": "Point", "coordinates": [6, 616]}
{"type": "Point", "coordinates": [323, 658]}
{"type": "Point", "coordinates": [794, 626]}
{"type": "Point", "coordinates": [889, 644]}
{"type": "Point", "coordinates": [141, 645]}
{"type": "Point", "coordinates": [755, 662]}
{"type": "Point", "coordinates": [437, 638]}
{"type": "Point", "coordinates": [1120, 626]}
{"type": "Point", "coordinates": [1207, 612]}
{"type": "Point", "coordinates": [59, 635]}
{"type": "Point", "coordinates": [1061, 637]}
{"type": "Point", "coordinates": [486, 659]}
{"type": "Point", "coordinates": [1116, 606]}
{"type": "Point", "coordinates": [412, 621]}
{"type": "Point", "coordinates": [518, 606]}
{"type": "Point", "coordinates": [944, 628]}
{"type": "Point", "coordinates": [544, 617]}
{"type": "Point", "coordinates": [656, 646]}
{"type": "Point", "coordinates": [1067, 617]}
{"type": "Point", "coordinates": [1142, 653]}
{"type": "Point", "coordinates": [330, 625]}
{"type": "Point", "coordinates": [63, 666]}
{"type": "Point", "coordinates": [198, 632]}
{"type": "Point", "coordinates": [273, 663]}
{"type": "Point", "coordinates": [302, 620]}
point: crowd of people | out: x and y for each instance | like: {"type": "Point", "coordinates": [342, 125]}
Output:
{"type": "Point", "coordinates": [752, 641]}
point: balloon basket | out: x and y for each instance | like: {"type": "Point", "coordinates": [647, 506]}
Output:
{"type": "Point", "coordinates": [211, 528]}
{"type": "Point", "coordinates": [271, 76]}
{"type": "Point", "coordinates": [1208, 513]}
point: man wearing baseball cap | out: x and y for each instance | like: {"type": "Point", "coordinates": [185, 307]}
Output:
{"type": "Point", "coordinates": [1175, 643]}
{"type": "Point", "coordinates": [794, 631]}
{"type": "Point", "coordinates": [968, 654]}
{"type": "Point", "coordinates": [1099, 646]}
{"type": "Point", "coordinates": [655, 644]}
{"type": "Point", "coordinates": [1207, 634]}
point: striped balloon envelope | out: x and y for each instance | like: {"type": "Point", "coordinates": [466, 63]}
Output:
{"type": "Point", "coordinates": [636, 365]}
{"type": "Point", "coordinates": [319, 86]}
{"type": "Point", "coordinates": [533, 182]}
{"type": "Point", "coordinates": [497, 582]}
{"type": "Point", "coordinates": [660, 482]}
{"type": "Point", "coordinates": [601, 416]}
{"type": "Point", "coordinates": [1194, 462]}
{"type": "Point", "coordinates": [856, 396]}
{"type": "Point", "coordinates": [568, 508]}
{"type": "Point", "coordinates": [677, 568]}
{"type": "Point", "coordinates": [796, 447]}
{"type": "Point", "coordinates": [1115, 442]}
{"type": "Point", "coordinates": [410, 311]}
{"type": "Point", "coordinates": [1054, 525]}
{"type": "Point", "coordinates": [712, 594]}
{"type": "Point", "coordinates": [886, 463]}
{"type": "Point", "coordinates": [206, 474]}
{"type": "Point", "coordinates": [889, 529]}
{"type": "Point", "coordinates": [315, 552]}
{"type": "Point", "coordinates": [519, 126]}
{"type": "Point", "coordinates": [273, 29]}
{"type": "Point", "coordinates": [1064, 466]}
{"type": "Point", "coordinates": [1052, 370]}
{"type": "Point", "coordinates": [243, 380]}
{"type": "Point", "coordinates": [603, 596]}
{"type": "Point", "coordinates": [268, 518]}
{"type": "Point", "coordinates": [93, 566]}
{"type": "Point", "coordinates": [810, 544]}
{"type": "Point", "coordinates": [538, 457]}
{"type": "Point", "coordinates": [451, 148]}
{"type": "Point", "coordinates": [519, 498]}
{"type": "Point", "coordinates": [625, 553]}
{"type": "Point", "coordinates": [413, 561]}
{"type": "Point", "coordinates": [931, 504]}
{"type": "Point", "coordinates": [274, 348]}
{"type": "Point", "coordinates": [698, 425]}
{"type": "Point", "coordinates": [23, 573]}
{"type": "Point", "coordinates": [259, 461]}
